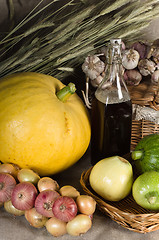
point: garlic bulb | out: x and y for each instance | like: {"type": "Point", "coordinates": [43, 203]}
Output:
{"type": "Point", "coordinates": [130, 59]}
{"type": "Point", "coordinates": [146, 67]}
{"type": "Point", "coordinates": [155, 55]}
{"type": "Point", "coordinates": [155, 77]}
{"type": "Point", "coordinates": [93, 66]}
{"type": "Point", "coordinates": [95, 82]}
{"type": "Point", "coordinates": [132, 77]}
{"type": "Point", "coordinates": [141, 48]}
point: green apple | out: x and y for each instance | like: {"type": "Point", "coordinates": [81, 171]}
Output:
{"type": "Point", "coordinates": [145, 190]}
{"type": "Point", "coordinates": [112, 178]}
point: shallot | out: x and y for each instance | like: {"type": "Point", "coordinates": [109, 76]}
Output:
{"type": "Point", "coordinates": [44, 202]}
{"type": "Point", "coordinates": [8, 206]}
{"type": "Point", "coordinates": [79, 225]}
{"type": "Point", "coordinates": [27, 175]}
{"type": "Point", "coordinates": [69, 191]}
{"type": "Point", "coordinates": [24, 195]}
{"type": "Point", "coordinates": [86, 204]}
{"type": "Point", "coordinates": [47, 183]}
{"type": "Point", "coordinates": [7, 184]}
{"type": "Point", "coordinates": [64, 208]}
{"type": "Point", "coordinates": [56, 227]}
{"type": "Point", "coordinates": [34, 218]}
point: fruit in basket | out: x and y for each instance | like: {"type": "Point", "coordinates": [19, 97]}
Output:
{"type": "Point", "coordinates": [37, 129]}
{"type": "Point", "coordinates": [112, 178]}
{"type": "Point", "coordinates": [146, 154]}
{"type": "Point", "coordinates": [145, 190]}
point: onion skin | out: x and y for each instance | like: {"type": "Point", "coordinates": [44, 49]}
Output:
{"type": "Point", "coordinates": [79, 225]}
{"type": "Point", "coordinates": [47, 183]}
{"type": "Point", "coordinates": [69, 191]}
{"type": "Point", "coordinates": [35, 219]}
{"type": "Point", "coordinates": [9, 168]}
{"type": "Point", "coordinates": [24, 195]}
{"type": "Point", "coordinates": [86, 204]}
{"type": "Point", "coordinates": [7, 184]}
{"type": "Point", "coordinates": [112, 178]}
{"type": "Point", "coordinates": [8, 206]}
{"type": "Point", "coordinates": [44, 202]}
{"type": "Point", "coordinates": [56, 227]}
{"type": "Point", "coordinates": [27, 175]}
{"type": "Point", "coordinates": [64, 208]}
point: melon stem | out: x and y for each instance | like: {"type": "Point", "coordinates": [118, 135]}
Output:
{"type": "Point", "coordinates": [137, 154]}
{"type": "Point", "coordinates": [66, 92]}
{"type": "Point", "coordinates": [152, 197]}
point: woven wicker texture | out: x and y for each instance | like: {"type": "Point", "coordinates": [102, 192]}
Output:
{"type": "Point", "coordinates": [125, 212]}
{"type": "Point", "coordinates": [145, 94]}
{"type": "Point", "coordinates": [140, 129]}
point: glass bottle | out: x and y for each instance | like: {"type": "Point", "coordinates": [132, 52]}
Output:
{"type": "Point", "coordinates": [111, 113]}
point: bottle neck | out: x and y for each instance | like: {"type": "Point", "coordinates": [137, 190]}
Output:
{"type": "Point", "coordinates": [113, 85]}
{"type": "Point", "coordinates": [113, 54]}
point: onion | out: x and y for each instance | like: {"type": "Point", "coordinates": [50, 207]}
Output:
{"type": "Point", "coordinates": [69, 191]}
{"type": "Point", "coordinates": [47, 183]}
{"type": "Point", "coordinates": [64, 208]}
{"type": "Point", "coordinates": [34, 218]}
{"type": "Point", "coordinates": [7, 184]}
{"type": "Point", "coordinates": [8, 206]}
{"type": "Point", "coordinates": [27, 175]}
{"type": "Point", "coordinates": [56, 227]}
{"type": "Point", "coordinates": [44, 202]}
{"type": "Point", "coordinates": [23, 196]}
{"type": "Point", "coordinates": [86, 204]}
{"type": "Point", "coordinates": [9, 168]}
{"type": "Point", "coordinates": [79, 225]}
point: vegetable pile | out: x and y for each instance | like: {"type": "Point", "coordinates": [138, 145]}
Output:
{"type": "Point", "coordinates": [139, 60]}
{"type": "Point", "coordinates": [62, 210]}
{"type": "Point", "coordinates": [114, 178]}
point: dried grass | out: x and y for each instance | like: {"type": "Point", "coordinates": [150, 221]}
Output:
{"type": "Point", "coordinates": [56, 41]}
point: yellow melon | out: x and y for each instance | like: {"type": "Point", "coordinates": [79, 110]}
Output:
{"type": "Point", "coordinates": [37, 130]}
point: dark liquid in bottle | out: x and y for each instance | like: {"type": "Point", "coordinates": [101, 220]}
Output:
{"type": "Point", "coordinates": [111, 129]}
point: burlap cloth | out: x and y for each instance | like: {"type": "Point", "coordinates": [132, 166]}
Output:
{"type": "Point", "coordinates": [103, 228]}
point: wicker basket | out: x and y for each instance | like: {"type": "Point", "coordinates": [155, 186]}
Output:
{"type": "Point", "coordinates": [147, 95]}
{"type": "Point", "coordinates": [126, 212]}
